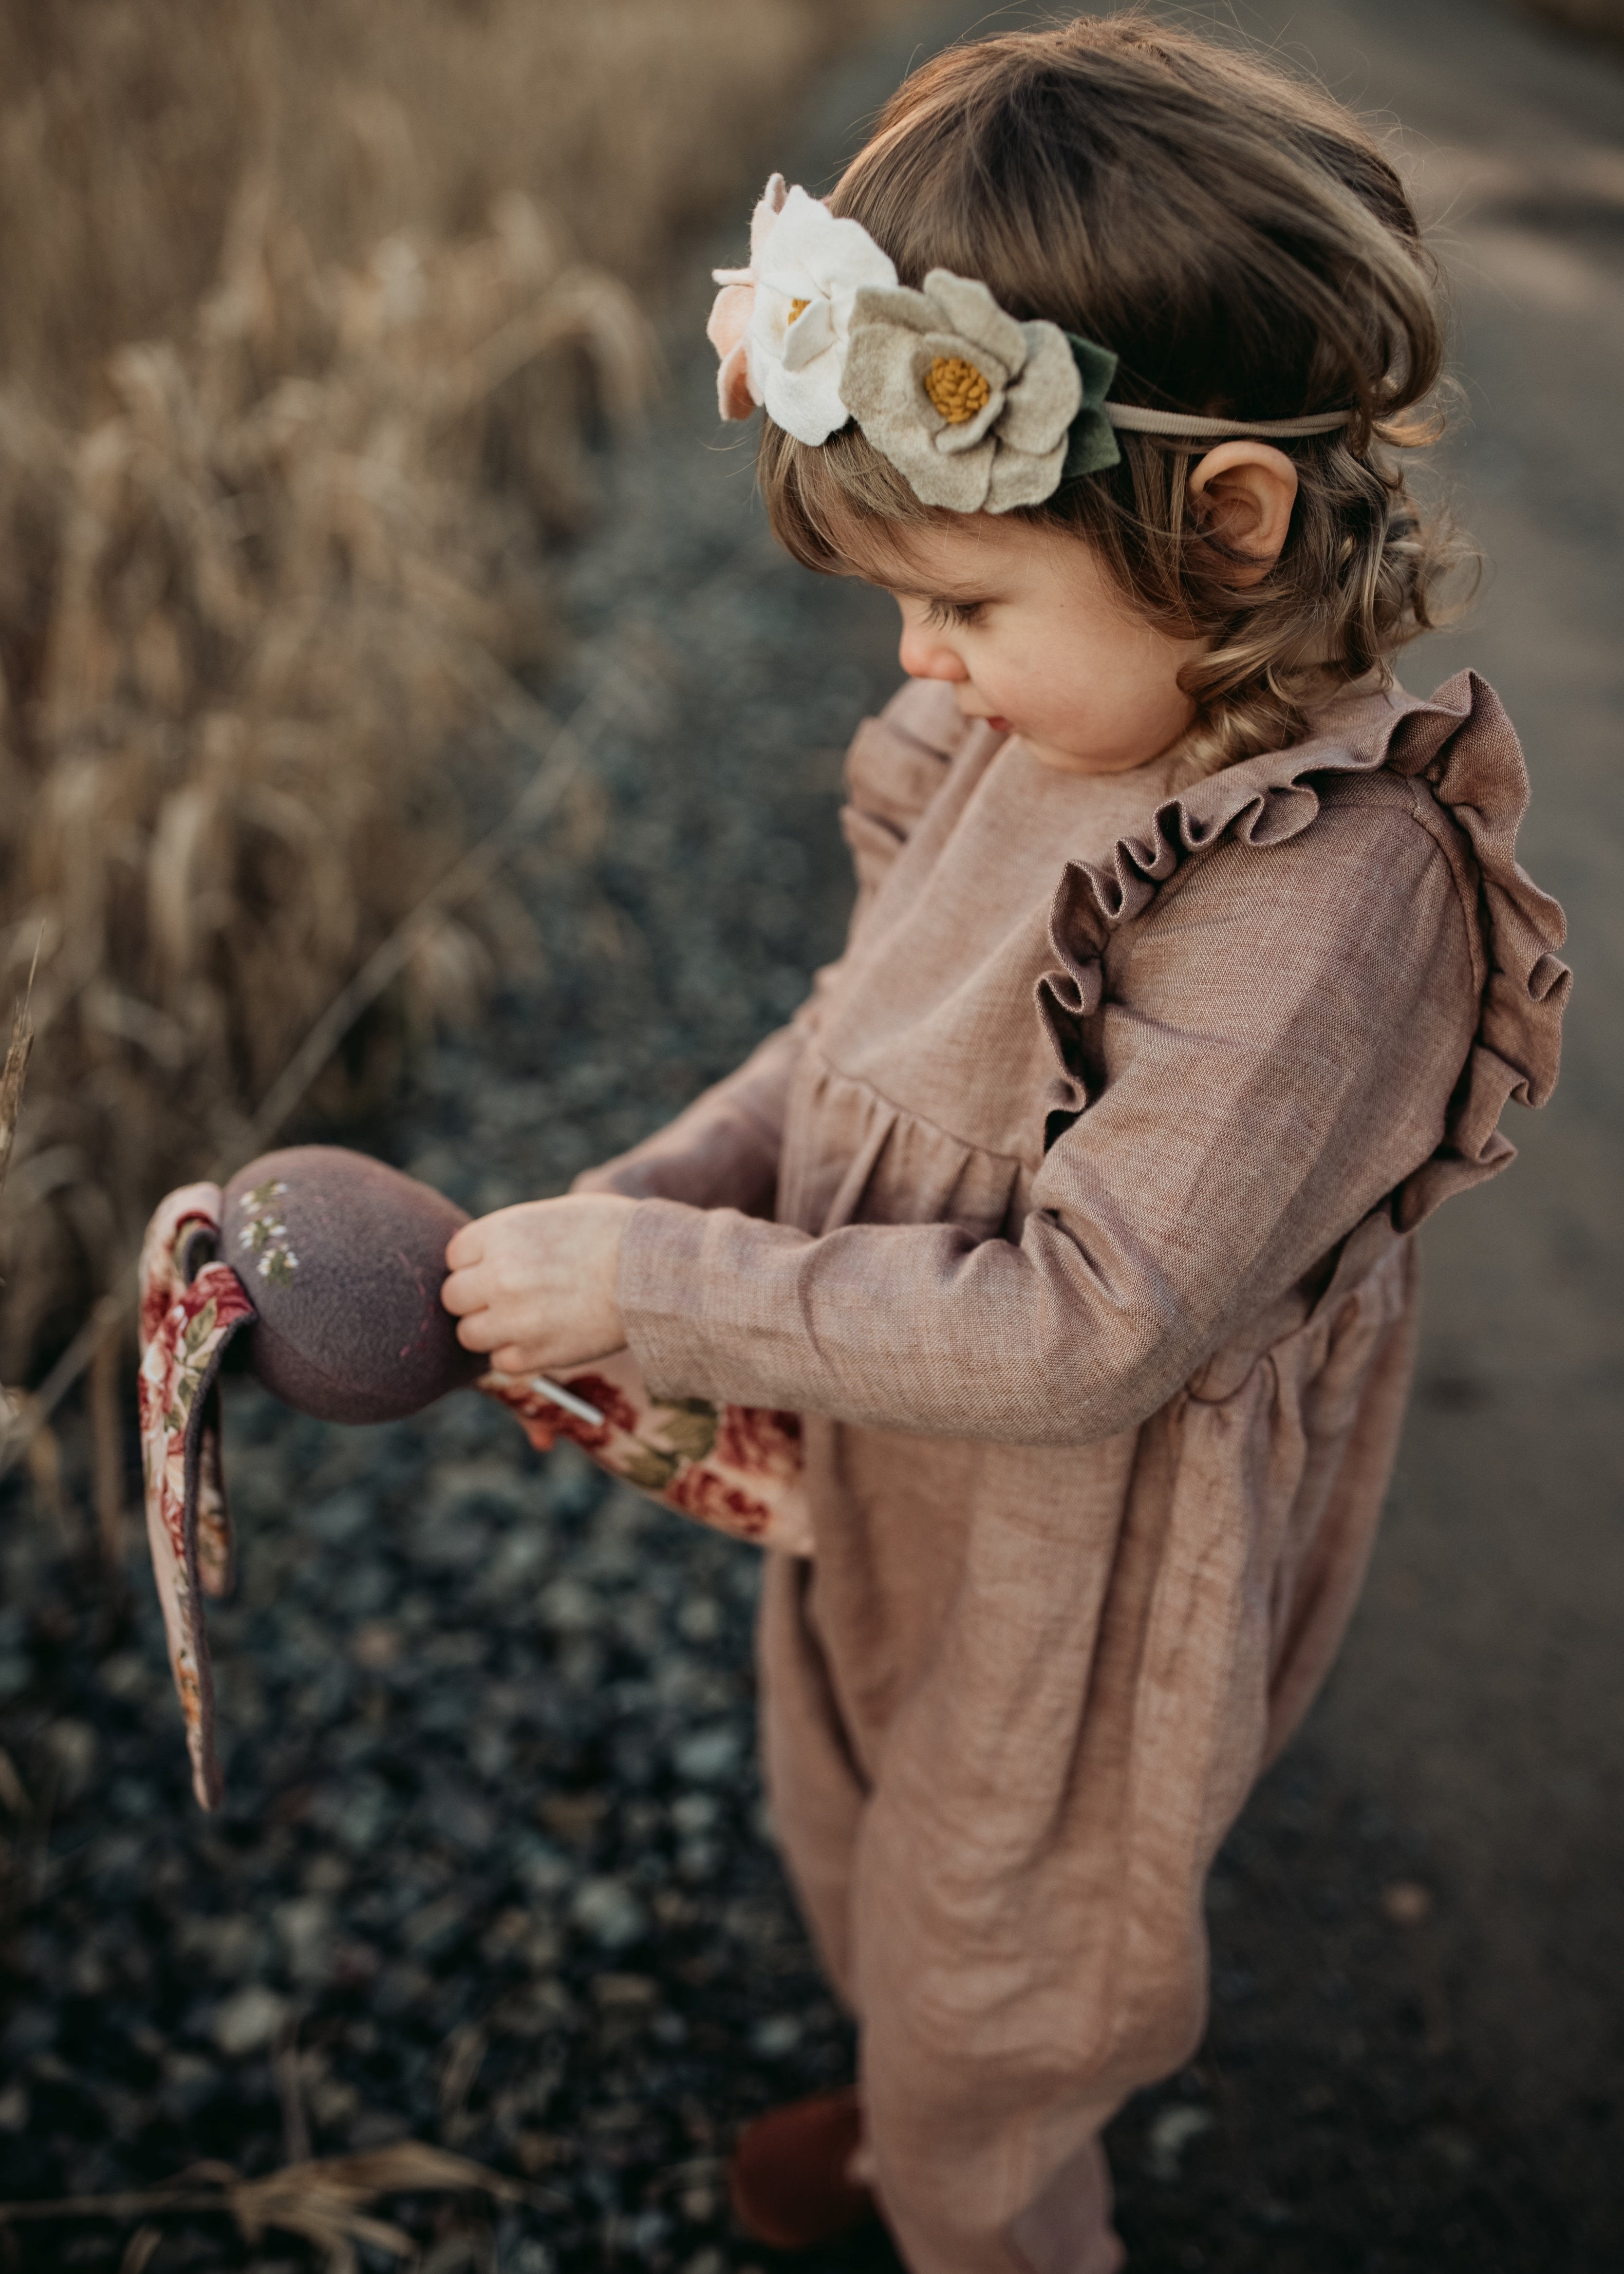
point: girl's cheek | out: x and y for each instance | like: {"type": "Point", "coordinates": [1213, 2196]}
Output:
{"type": "Point", "coordinates": [1000, 667]}
{"type": "Point", "coordinates": [1047, 681]}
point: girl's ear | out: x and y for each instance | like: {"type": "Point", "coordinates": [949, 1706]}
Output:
{"type": "Point", "coordinates": [1242, 493]}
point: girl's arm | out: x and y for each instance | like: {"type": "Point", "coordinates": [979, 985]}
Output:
{"type": "Point", "coordinates": [1281, 1035]}
{"type": "Point", "coordinates": [723, 1149]}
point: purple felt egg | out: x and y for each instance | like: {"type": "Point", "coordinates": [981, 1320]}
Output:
{"type": "Point", "coordinates": [345, 1259]}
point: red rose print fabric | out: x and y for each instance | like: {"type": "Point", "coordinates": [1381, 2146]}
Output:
{"type": "Point", "coordinates": [734, 1467]}
{"type": "Point", "coordinates": [185, 1324]}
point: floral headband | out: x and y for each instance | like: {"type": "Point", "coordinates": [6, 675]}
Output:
{"type": "Point", "coordinates": [977, 412]}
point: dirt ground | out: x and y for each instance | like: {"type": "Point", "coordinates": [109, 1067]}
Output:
{"type": "Point", "coordinates": [493, 1870]}
{"type": "Point", "coordinates": [1480, 1696]}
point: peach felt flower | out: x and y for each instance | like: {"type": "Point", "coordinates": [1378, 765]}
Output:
{"type": "Point", "coordinates": [734, 307]}
{"type": "Point", "coordinates": [780, 326]}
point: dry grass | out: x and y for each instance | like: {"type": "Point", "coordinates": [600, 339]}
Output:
{"type": "Point", "coordinates": [14, 1076]}
{"type": "Point", "coordinates": [327, 2203]}
{"type": "Point", "coordinates": [308, 307]}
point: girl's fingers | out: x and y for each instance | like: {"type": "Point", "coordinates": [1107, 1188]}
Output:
{"type": "Point", "coordinates": [464, 1248]}
{"type": "Point", "coordinates": [479, 1332]}
{"type": "Point", "coordinates": [512, 1358]}
{"type": "Point", "coordinates": [462, 1292]}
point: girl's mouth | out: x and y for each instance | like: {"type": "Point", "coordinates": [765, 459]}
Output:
{"type": "Point", "coordinates": [1000, 726]}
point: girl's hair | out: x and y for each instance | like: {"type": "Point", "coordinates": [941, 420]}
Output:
{"type": "Point", "coordinates": [1242, 244]}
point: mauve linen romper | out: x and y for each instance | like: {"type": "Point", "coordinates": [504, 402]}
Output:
{"type": "Point", "coordinates": [1074, 1213]}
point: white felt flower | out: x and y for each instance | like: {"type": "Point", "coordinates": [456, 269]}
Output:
{"type": "Point", "coordinates": [971, 407]}
{"type": "Point", "coordinates": [808, 275]}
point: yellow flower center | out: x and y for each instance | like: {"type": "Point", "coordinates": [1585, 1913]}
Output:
{"type": "Point", "coordinates": [798, 308]}
{"type": "Point", "coordinates": [957, 389]}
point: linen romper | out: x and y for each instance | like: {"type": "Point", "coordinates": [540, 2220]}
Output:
{"type": "Point", "coordinates": [1075, 1213]}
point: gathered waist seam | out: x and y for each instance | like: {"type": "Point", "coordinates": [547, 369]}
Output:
{"type": "Point", "coordinates": [815, 1052]}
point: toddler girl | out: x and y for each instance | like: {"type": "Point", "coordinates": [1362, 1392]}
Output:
{"type": "Point", "coordinates": [1190, 970]}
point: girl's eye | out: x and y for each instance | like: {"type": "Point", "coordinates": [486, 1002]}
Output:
{"type": "Point", "coordinates": [954, 615]}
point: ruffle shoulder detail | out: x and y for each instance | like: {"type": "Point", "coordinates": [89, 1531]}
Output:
{"type": "Point", "coordinates": [1463, 747]}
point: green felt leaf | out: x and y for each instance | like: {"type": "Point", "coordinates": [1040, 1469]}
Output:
{"type": "Point", "coordinates": [1092, 446]}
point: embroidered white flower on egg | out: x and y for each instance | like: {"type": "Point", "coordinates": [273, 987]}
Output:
{"type": "Point", "coordinates": [808, 273]}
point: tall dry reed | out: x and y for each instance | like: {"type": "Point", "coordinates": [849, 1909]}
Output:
{"type": "Point", "coordinates": [308, 307]}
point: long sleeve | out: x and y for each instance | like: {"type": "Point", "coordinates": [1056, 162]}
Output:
{"type": "Point", "coordinates": [1280, 1037]}
{"type": "Point", "coordinates": [723, 1149]}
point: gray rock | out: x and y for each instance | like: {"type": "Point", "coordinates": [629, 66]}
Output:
{"type": "Point", "coordinates": [569, 1608]}
{"type": "Point", "coordinates": [305, 1927]}
{"type": "Point", "coordinates": [69, 1750]}
{"type": "Point", "coordinates": [708, 1756]}
{"type": "Point", "coordinates": [610, 1913]}
{"type": "Point", "coordinates": [245, 2023]}
{"type": "Point", "coordinates": [447, 1537]}
{"type": "Point", "coordinates": [362, 1588]}
{"type": "Point", "coordinates": [31, 2029]}
{"type": "Point", "coordinates": [542, 1866]}
{"type": "Point", "coordinates": [340, 1519]}
{"type": "Point", "coordinates": [461, 1816]}
{"type": "Point", "coordinates": [354, 1812]}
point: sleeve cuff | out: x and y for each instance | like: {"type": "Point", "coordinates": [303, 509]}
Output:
{"type": "Point", "coordinates": [707, 1300]}
{"type": "Point", "coordinates": [660, 1294]}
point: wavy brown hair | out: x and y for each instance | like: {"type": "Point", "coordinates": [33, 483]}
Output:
{"type": "Point", "coordinates": [1243, 246]}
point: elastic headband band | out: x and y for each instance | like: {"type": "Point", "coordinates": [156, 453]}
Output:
{"type": "Point", "coordinates": [1140, 421]}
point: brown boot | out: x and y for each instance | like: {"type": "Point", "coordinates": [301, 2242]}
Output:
{"type": "Point", "coordinates": [790, 2176]}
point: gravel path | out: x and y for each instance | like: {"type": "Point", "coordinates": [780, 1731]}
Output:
{"type": "Point", "coordinates": [493, 1869]}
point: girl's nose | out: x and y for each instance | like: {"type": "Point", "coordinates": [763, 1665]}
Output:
{"type": "Point", "coordinates": [924, 654]}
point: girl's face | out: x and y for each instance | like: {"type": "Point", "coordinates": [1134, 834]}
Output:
{"type": "Point", "coordinates": [1032, 635]}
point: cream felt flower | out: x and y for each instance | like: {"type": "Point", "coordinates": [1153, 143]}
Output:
{"type": "Point", "coordinates": [734, 307]}
{"type": "Point", "coordinates": [809, 274]}
{"type": "Point", "coordinates": [971, 407]}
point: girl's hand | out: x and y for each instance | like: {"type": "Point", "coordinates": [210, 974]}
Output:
{"type": "Point", "coordinates": [534, 1286]}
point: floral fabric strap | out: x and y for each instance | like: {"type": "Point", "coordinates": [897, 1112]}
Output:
{"type": "Point", "coordinates": [978, 413]}
{"type": "Point", "coordinates": [737, 1468]}
{"type": "Point", "coordinates": [190, 1307]}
